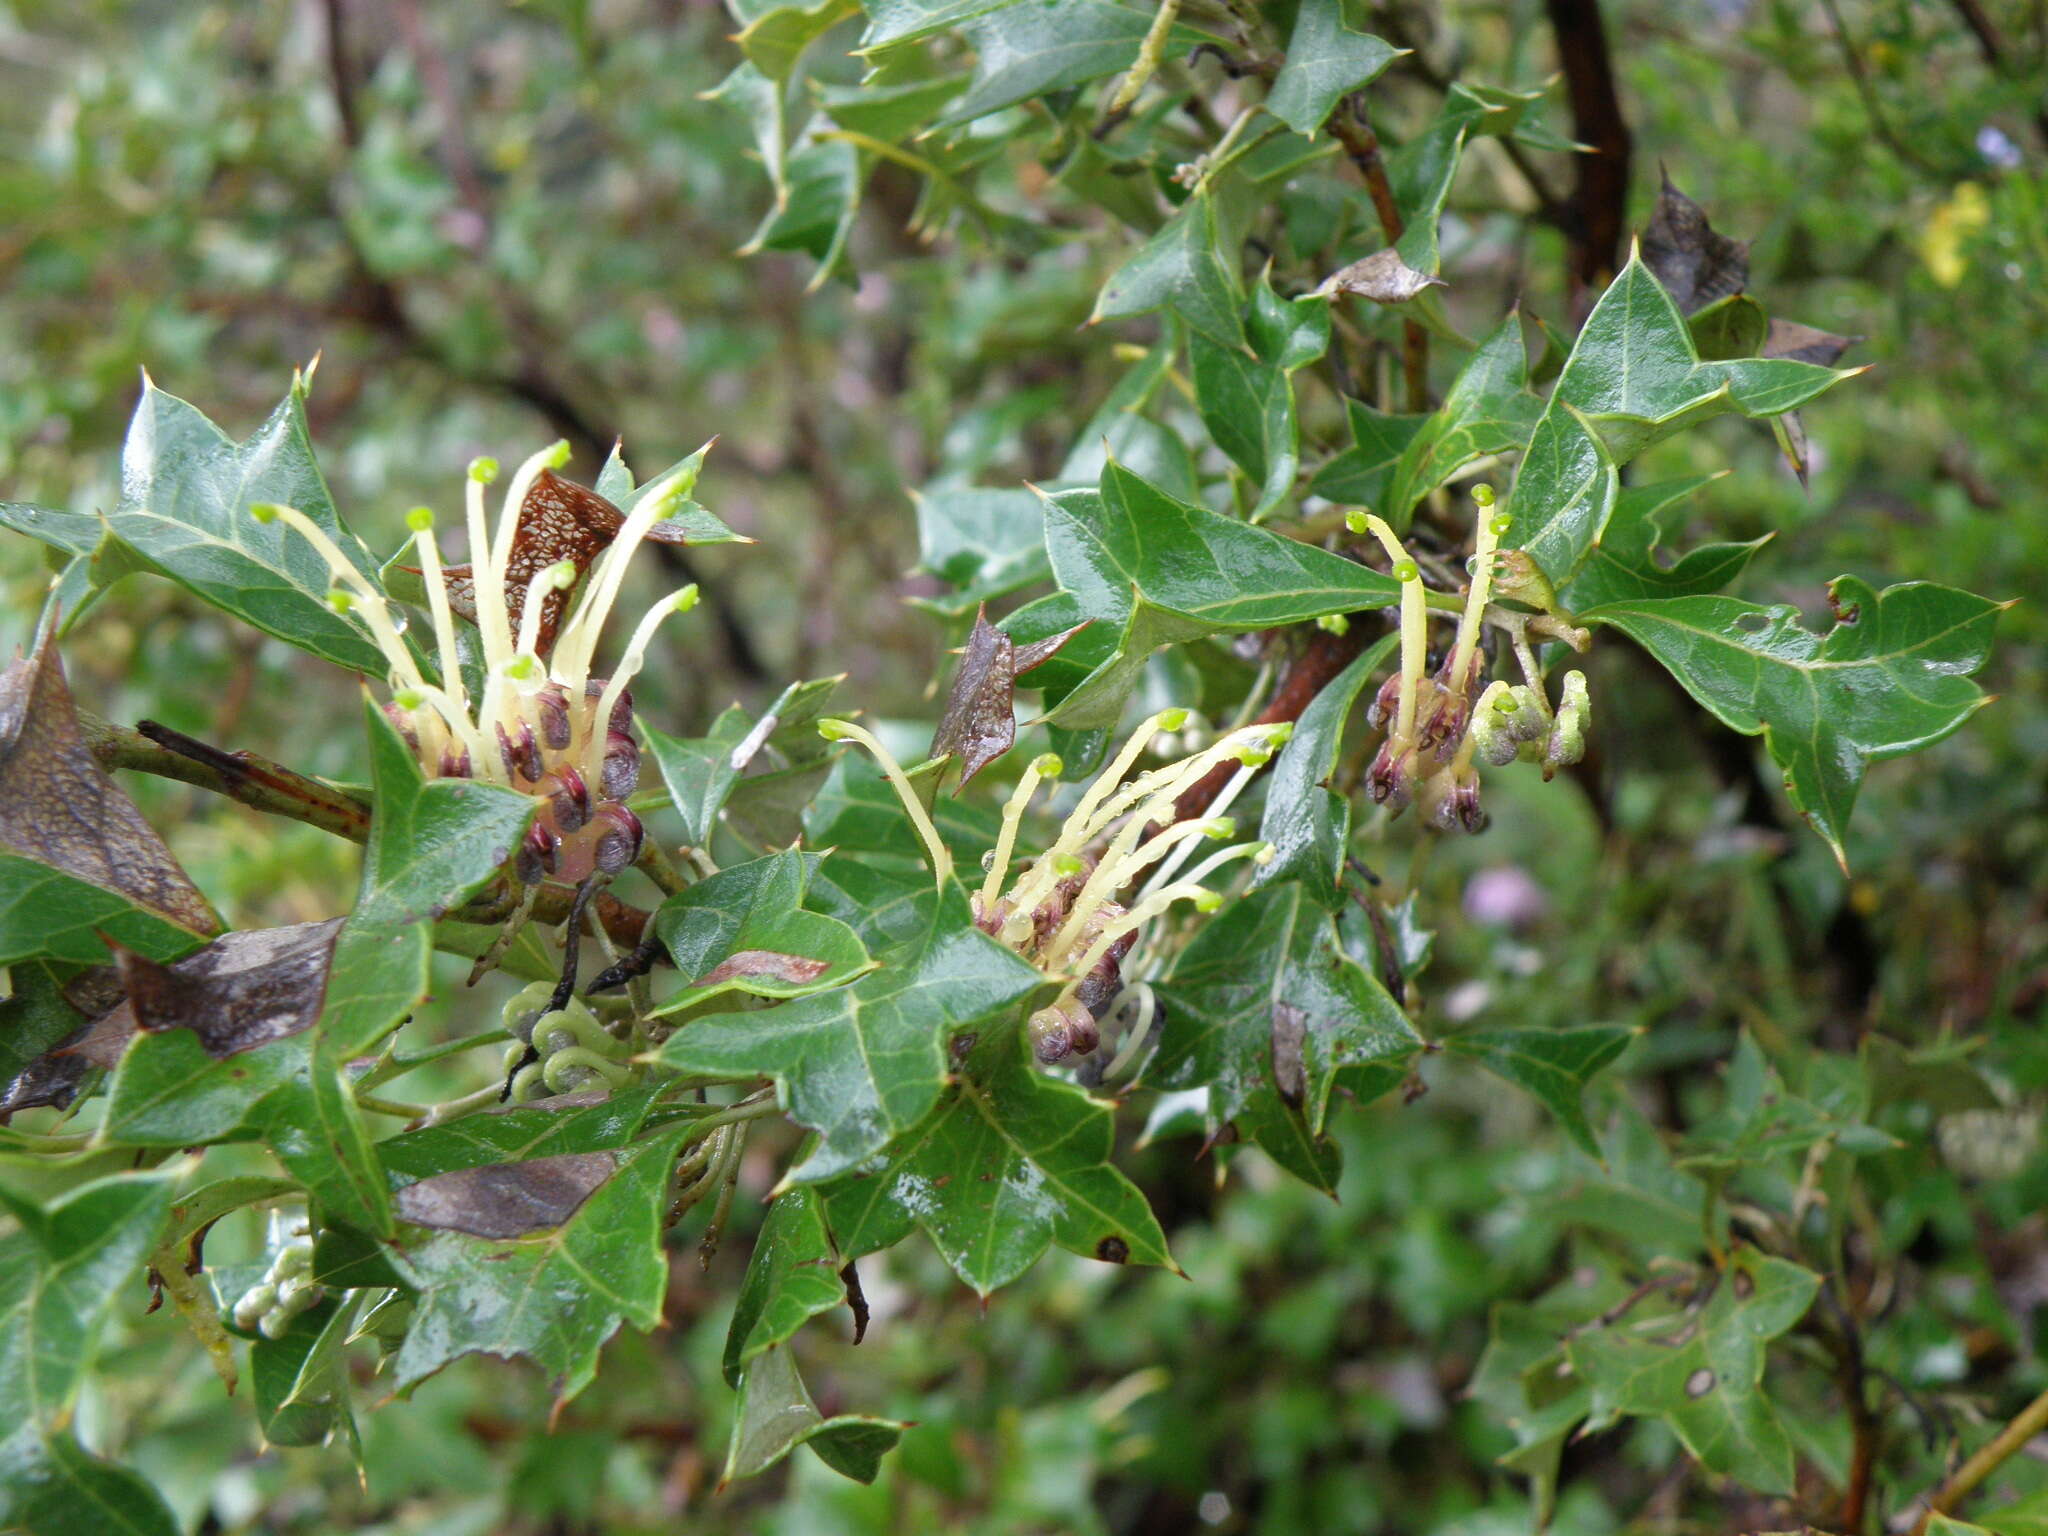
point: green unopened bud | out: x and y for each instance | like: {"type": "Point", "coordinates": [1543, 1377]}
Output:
{"type": "Point", "coordinates": [483, 470]}
{"type": "Point", "coordinates": [1567, 743]}
{"type": "Point", "coordinates": [1334, 623]}
{"type": "Point", "coordinates": [1493, 737]}
{"type": "Point", "coordinates": [420, 519]}
{"type": "Point", "coordinates": [256, 1301]}
{"type": "Point", "coordinates": [1049, 765]}
{"type": "Point", "coordinates": [1520, 579]}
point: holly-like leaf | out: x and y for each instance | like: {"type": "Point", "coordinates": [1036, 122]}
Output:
{"type": "Point", "coordinates": [1702, 1371]}
{"type": "Point", "coordinates": [1183, 268]}
{"type": "Point", "coordinates": [592, 1121]}
{"type": "Point", "coordinates": [858, 812]}
{"type": "Point", "coordinates": [55, 1487]}
{"type": "Point", "coordinates": [1696, 265]}
{"type": "Point", "coordinates": [1265, 1009]}
{"type": "Point", "coordinates": [1307, 822]}
{"type": "Point", "coordinates": [793, 1276]}
{"type": "Point", "coordinates": [432, 846]}
{"type": "Point", "coordinates": [76, 857]}
{"type": "Point", "coordinates": [1488, 410]}
{"type": "Point", "coordinates": [816, 197]}
{"type": "Point", "coordinates": [775, 1415]}
{"type": "Point", "coordinates": [744, 929]}
{"type": "Point", "coordinates": [1890, 677]}
{"type": "Point", "coordinates": [1627, 563]}
{"type": "Point", "coordinates": [774, 40]}
{"type": "Point", "coordinates": [554, 1296]}
{"type": "Point", "coordinates": [1421, 171]}
{"type": "Point", "coordinates": [1359, 474]}
{"type": "Point", "coordinates": [984, 543]}
{"type": "Point", "coordinates": [1552, 1064]}
{"type": "Point", "coordinates": [702, 774]}
{"type": "Point", "coordinates": [1154, 571]}
{"type": "Point", "coordinates": [1247, 399]}
{"type": "Point", "coordinates": [1007, 1163]}
{"type": "Point", "coordinates": [863, 1064]}
{"type": "Point", "coordinates": [1022, 51]}
{"type": "Point", "coordinates": [1329, 55]}
{"type": "Point", "coordinates": [242, 991]}
{"type": "Point", "coordinates": [1633, 377]}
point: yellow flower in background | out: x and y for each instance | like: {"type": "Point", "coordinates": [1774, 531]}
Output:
{"type": "Point", "coordinates": [1950, 229]}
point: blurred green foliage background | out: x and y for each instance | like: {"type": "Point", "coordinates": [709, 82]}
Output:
{"type": "Point", "coordinates": [499, 224]}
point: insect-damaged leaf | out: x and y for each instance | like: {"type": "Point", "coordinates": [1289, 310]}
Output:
{"type": "Point", "coordinates": [1226, 1029]}
{"type": "Point", "coordinates": [243, 990]}
{"type": "Point", "coordinates": [76, 857]}
{"type": "Point", "coordinates": [744, 929]}
{"type": "Point", "coordinates": [1892, 676]}
{"type": "Point", "coordinates": [506, 1199]}
{"type": "Point", "coordinates": [1008, 1162]}
{"type": "Point", "coordinates": [1806, 344]}
{"type": "Point", "coordinates": [1696, 265]}
{"type": "Point", "coordinates": [980, 721]}
{"type": "Point", "coordinates": [862, 1064]}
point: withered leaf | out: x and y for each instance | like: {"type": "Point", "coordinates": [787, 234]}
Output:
{"type": "Point", "coordinates": [1290, 1063]}
{"type": "Point", "coordinates": [59, 808]}
{"type": "Point", "coordinates": [1382, 277]}
{"type": "Point", "coordinates": [506, 1199]}
{"type": "Point", "coordinates": [243, 990]}
{"type": "Point", "coordinates": [980, 722]}
{"type": "Point", "coordinates": [1695, 264]}
{"type": "Point", "coordinates": [795, 970]}
{"type": "Point", "coordinates": [1806, 343]}
{"type": "Point", "coordinates": [559, 520]}
{"type": "Point", "coordinates": [44, 1027]}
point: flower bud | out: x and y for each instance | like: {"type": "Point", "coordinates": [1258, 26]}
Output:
{"type": "Point", "coordinates": [618, 837]}
{"type": "Point", "coordinates": [455, 763]}
{"type": "Point", "coordinates": [1052, 1039]}
{"type": "Point", "coordinates": [621, 773]}
{"type": "Point", "coordinates": [1390, 781]}
{"type": "Point", "coordinates": [401, 721]}
{"type": "Point", "coordinates": [1519, 578]}
{"type": "Point", "coordinates": [1493, 737]}
{"type": "Point", "coordinates": [256, 1301]}
{"type": "Point", "coordinates": [521, 754]}
{"type": "Point", "coordinates": [1386, 703]}
{"type": "Point", "coordinates": [551, 709]}
{"type": "Point", "coordinates": [568, 798]}
{"type": "Point", "coordinates": [622, 711]}
{"type": "Point", "coordinates": [536, 858]}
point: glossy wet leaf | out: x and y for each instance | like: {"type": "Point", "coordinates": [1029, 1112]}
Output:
{"type": "Point", "coordinates": [863, 1064]}
{"type": "Point", "coordinates": [792, 1277]}
{"type": "Point", "coordinates": [1358, 475]}
{"type": "Point", "coordinates": [299, 1381]}
{"type": "Point", "coordinates": [1488, 410]}
{"type": "Point", "coordinates": [1247, 399]}
{"type": "Point", "coordinates": [775, 1415]}
{"type": "Point", "coordinates": [1153, 571]}
{"type": "Point", "coordinates": [1633, 377]}
{"type": "Point", "coordinates": [858, 812]}
{"type": "Point", "coordinates": [982, 542]}
{"type": "Point", "coordinates": [591, 1121]}
{"type": "Point", "coordinates": [510, 1199]}
{"type": "Point", "coordinates": [1629, 563]}
{"type": "Point", "coordinates": [55, 1487]}
{"type": "Point", "coordinates": [1422, 170]}
{"type": "Point", "coordinates": [702, 774]}
{"type": "Point", "coordinates": [1307, 822]}
{"type": "Point", "coordinates": [244, 990]}
{"type": "Point", "coordinates": [1021, 51]}
{"type": "Point", "coordinates": [774, 40]}
{"type": "Point", "coordinates": [745, 929]}
{"type": "Point", "coordinates": [1185, 268]}
{"type": "Point", "coordinates": [816, 198]}
{"type": "Point", "coordinates": [1264, 1009]}
{"type": "Point", "coordinates": [553, 1297]}
{"type": "Point", "coordinates": [1554, 1065]}
{"type": "Point", "coordinates": [1009, 1162]}
{"type": "Point", "coordinates": [905, 21]}
{"type": "Point", "coordinates": [1329, 55]}
{"type": "Point", "coordinates": [76, 857]}
{"type": "Point", "coordinates": [1892, 676]}
{"type": "Point", "coordinates": [1702, 1373]}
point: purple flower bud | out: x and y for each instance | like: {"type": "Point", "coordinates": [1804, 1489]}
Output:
{"type": "Point", "coordinates": [536, 858]}
{"type": "Point", "coordinates": [622, 712]}
{"type": "Point", "coordinates": [618, 837]}
{"type": "Point", "coordinates": [1390, 781]}
{"type": "Point", "coordinates": [401, 720]}
{"type": "Point", "coordinates": [568, 797]}
{"type": "Point", "coordinates": [1051, 1036]}
{"type": "Point", "coordinates": [621, 775]}
{"type": "Point", "coordinates": [455, 762]}
{"type": "Point", "coordinates": [1386, 703]}
{"type": "Point", "coordinates": [551, 705]}
{"type": "Point", "coordinates": [521, 754]}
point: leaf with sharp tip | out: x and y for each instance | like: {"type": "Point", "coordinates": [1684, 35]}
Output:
{"type": "Point", "coordinates": [745, 929]}
{"type": "Point", "coordinates": [1488, 410]}
{"type": "Point", "coordinates": [1185, 269]}
{"type": "Point", "coordinates": [1697, 265]}
{"type": "Point", "coordinates": [1552, 1064]}
{"type": "Point", "coordinates": [1329, 55]}
{"type": "Point", "coordinates": [1022, 51]}
{"type": "Point", "coordinates": [792, 1276]}
{"type": "Point", "coordinates": [1247, 399]}
{"type": "Point", "coordinates": [775, 1415]}
{"type": "Point", "coordinates": [1626, 564]}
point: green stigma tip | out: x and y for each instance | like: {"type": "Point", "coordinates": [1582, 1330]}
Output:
{"type": "Point", "coordinates": [1501, 523]}
{"type": "Point", "coordinates": [833, 730]}
{"type": "Point", "coordinates": [1407, 570]}
{"type": "Point", "coordinates": [1356, 522]}
{"type": "Point", "coordinates": [420, 519]}
{"type": "Point", "coordinates": [1208, 901]}
{"type": "Point", "coordinates": [1049, 765]}
{"type": "Point", "coordinates": [1280, 734]}
{"type": "Point", "coordinates": [684, 600]}
{"type": "Point", "coordinates": [558, 453]}
{"type": "Point", "coordinates": [1172, 719]}
{"type": "Point", "coordinates": [523, 666]}
{"type": "Point", "coordinates": [562, 574]}
{"type": "Point", "coordinates": [1220, 827]}
{"type": "Point", "coordinates": [1483, 494]}
{"type": "Point", "coordinates": [1068, 865]}
{"type": "Point", "coordinates": [341, 601]}
{"type": "Point", "coordinates": [1334, 623]}
{"type": "Point", "coordinates": [483, 470]}
{"type": "Point", "coordinates": [1255, 757]}
{"type": "Point", "coordinates": [1266, 854]}
{"type": "Point", "coordinates": [408, 698]}
{"type": "Point", "coordinates": [263, 511]}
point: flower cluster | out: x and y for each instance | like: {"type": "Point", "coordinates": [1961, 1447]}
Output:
{"type": "Point", "coordinates": [539, 724]}
{"type": "Point", "coordinates": [1434, 727]}
{"type": "Point", "coordinates": [1114, 867]}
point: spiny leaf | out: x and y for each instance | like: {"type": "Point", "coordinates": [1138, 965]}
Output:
{"type": "Point", "coordinates": [1359, 474]}
{"type": "Point", "coordinates": [1891, 677]}
{"type": "Point", "coordinates": [1553, 1064]}
{"type": "Point", "coordinates": [1183, 268]}
{"type": "Point", "coordinates": [775, 1415]}
{"type": "Point", "coordinates": [792, 1276]}
{"type": "Point", "coordinates": [506, 1199]}
{"type": "Point", "coordinates": [1022, 51]}
{"type": "Point", "coordinates": [1329, 55]}
{"type": "Point", "coordinates": [745, 929]}
{"type": "Point", "coordinates": [863, 1064]}
{"type": "Point", "coordinates": [592, 1121]}
{"type": "Point", "coordinates": [1007, 1163]}
{"type": "Point", "coordinates": [1265, 1009]}
{"type": "Point", "coordinates": [1626, 564]}
{"type": "Point", "coordinates": [1247, 399]}
{"type": "Point", "coordinates": [984, 543]}
{"type": "Point", "coordinates": [1488, 410]}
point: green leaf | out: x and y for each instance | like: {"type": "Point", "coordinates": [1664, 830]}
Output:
{"type": "Point", "coordinates": [1247, 399]}
{"type": "Point", "coordinates": [816, 197]}
{"type": "Point", "coordinates": [745, 929]}
{"type": "Point", "coordinates": [775, 1415]}
{"type": "Point", "coordinates": [1422, 170]}
{"type": "Point", "coordinates": [1329, 56]}
{"type": "Point", "coordinates": [1154, 571]}
{"type": "Point", "coordinates": [1633, 377]}
{"type": "Point", "coordinates": [700, 771]}
{"type": "Point", "coordinates": [1627, 564]}
{"type": "Point", "coordinates": [1307, 822]}
{"type": "Point", "coordinates": [1892, 676]}
{"type": "Point", "coordinates": [1265, 1009]}
{"type": "Point", "coordinates": [1008, 1162]}
{"type": "Point", "coordinates": [299, 1379]}
{"type": "Point", "coordinates": [55, 1487]}
{"type": "Point", "coordinates": [2024, 1517]}
{"type": "Point", "coordinates": [775, 40]}
{"type": "Point", "coordinates": [1360, 473]}
{"type": "Point", "coordinates": [858, 811]}
{"type": "Point", "coordinates": [1701, 1371]}
{"type": "Point", "coordinates": [1553, 1064]}
{"type": "Point", "coordinates": [863, 1064]}
{"type": "Point", "coordinates": [186, 490]}
{"type": "Point", "coordinates": [983, 543]}
{"type": "Point", "coordinates": [554, 1297]}
{"type": "Point", "coordinates": [1489, 410]}
{"type": "Point", "coordinates": [510, 1134]}
{"type": "Point", "coordinates": [792, 1277]}
{"type": "Point", "coordinates": [1022, 51]}
{"type": "Point", "coordinates": [905, 21]}
{"type": "Point", "coordinates": [1185, 269]}
{"type": "Point", "coordinates": [432, 846]}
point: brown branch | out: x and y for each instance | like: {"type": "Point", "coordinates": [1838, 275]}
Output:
{"type": "Point", "coordinates": [2030, 1421]}
{"type": "Point", "coordinates": [1597, 216]}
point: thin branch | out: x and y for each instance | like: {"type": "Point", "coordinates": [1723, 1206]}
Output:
{"type": "Point", "coordinates": [2030, 1421]}
{"type": "Point", "coordinates": [241, 776]}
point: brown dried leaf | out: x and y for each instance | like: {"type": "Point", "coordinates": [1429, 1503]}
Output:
{"type": "Point", "coordinates": [1695, 264]}
{"type": "Point", "coordinates": [1382, 277]}
{"type": "Point", "coordinates": [58, 807]}
{"type": "Point", "coordinates": [243, 990]}
{"type": "Point", "coordinates": [1290, 1064]}
{"type": "Point", "coordinates": [796, 970]}
{"type": "Point", "coordinates": [1806, 343]}
{"type": "Point", "coordinates": [506, 1199]}
{"type": "Point", "coordinates": [1039, 652]}
{"type": "Point", "coordinates": [980, 721]}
